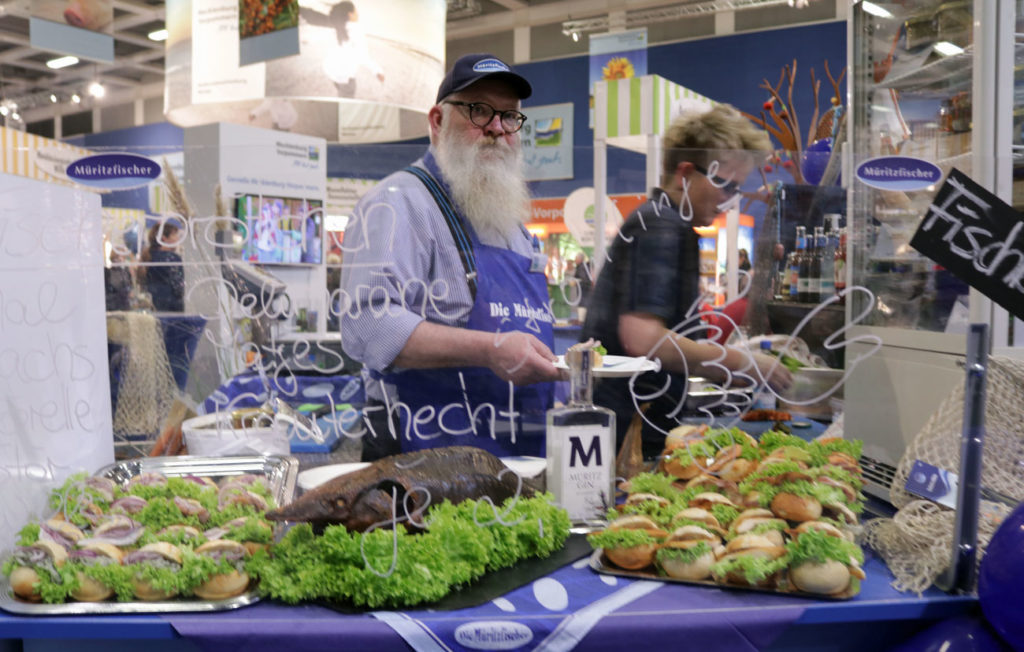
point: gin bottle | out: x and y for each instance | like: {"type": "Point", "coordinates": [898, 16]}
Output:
{"type": "Point", "coordinates": [581, 447]}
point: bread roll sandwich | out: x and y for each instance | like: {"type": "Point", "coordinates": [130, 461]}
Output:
{"type": "Point", "coordinates": [823, 563]}
{"type": "Point", "coordinates": [574, 354]}
{"type": "Point", "coordinates": [34, 565]}
{"type": "Point", "coordinates": [157, 571]}
{"type": "Point", "coordinates": [230, 578]}
{"type": "Point", "coordinates": [89, 558]}
{"type": "Point", "coordinates": [688, 553]}
{"type": "Point", "coordinates": [630, 542]}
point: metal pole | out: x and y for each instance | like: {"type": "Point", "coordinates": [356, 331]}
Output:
{"type": "Point", "coordinates": [960, 576]}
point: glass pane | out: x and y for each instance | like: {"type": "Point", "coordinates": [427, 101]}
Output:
{"type": "Point", "coordinates": [912, 98]}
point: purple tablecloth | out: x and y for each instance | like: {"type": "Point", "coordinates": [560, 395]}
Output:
{"type": "Point", "coordinates": [553, 613]}
{"type": "Point", "coordinates": [572, 608]}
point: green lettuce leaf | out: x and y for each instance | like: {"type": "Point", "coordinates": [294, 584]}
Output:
{"type": "Point", "coordinates": [725, 514]}
{"type": "Point", "coordinates": [752, 568]}
{"type": "Point", "coordinates": [28, 534]}
{"type": "Point", "coordinates": [389, 568]}
{"type": "Point", "coordinates": [115, 576]}
{"type": "Point", "coordinates": [623, 538]}
{"type": "Point", "coordinates": [684, 555]}
{"type": "Point", "coordinates": [817, 546]}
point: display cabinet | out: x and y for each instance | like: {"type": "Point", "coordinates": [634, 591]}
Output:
{"type": "Point", "coordinates": [932, 80]}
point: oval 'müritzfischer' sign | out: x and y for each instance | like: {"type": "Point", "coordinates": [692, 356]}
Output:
{"type": "Point", "coordinates": [898, 173]}
{"type": "Point", "coordinates": [113, 171]}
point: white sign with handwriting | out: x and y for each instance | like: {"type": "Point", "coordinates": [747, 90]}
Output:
{"type": "Point", "coordinates": [55, 413]}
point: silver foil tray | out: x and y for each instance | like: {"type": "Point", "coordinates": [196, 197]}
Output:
{"type": "Point", "coordinates": [280, 472]}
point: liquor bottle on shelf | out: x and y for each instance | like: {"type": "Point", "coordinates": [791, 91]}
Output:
{"type": "Point", "coordinates": [814, 266]}
{"type": "Point", "coordinates": [581, 447]}
{"type": "Point", "coordinates": [828, 262]}
{"type": "Point", "coordinates": [804, 280]}
{"type": "Point", "coordinates": [840, 266]}
{"type": "Point", "coordinates": [793, 266]}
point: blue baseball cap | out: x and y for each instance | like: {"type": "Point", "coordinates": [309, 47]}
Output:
{"type": "Point", "coordinates": [471, 68]}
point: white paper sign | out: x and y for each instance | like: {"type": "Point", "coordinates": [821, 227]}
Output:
{"type": "Point", "coordinates": [343, 194]}
{"type": "Point", "coordinates": [54, 382]}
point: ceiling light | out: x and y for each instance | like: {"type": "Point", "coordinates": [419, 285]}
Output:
{"type": "Point", "coordinates": [576, 36]}
{"type": "Point", "coordinates": [53, 98]}
{"type": "Point", "coordinates": [96, 89]}
{"type": "Point", "coordinates": [948, 49]}
{"type": "Point", "coordinates": [158, 35]}
{"type": "Point", "coordinates": [15, 116]}
{"type": "Point", "coordinates": [4, 111]}
{"type": "Point", "coordinates": [875, 10]}
{"type": "Point", "coordinates": [76, 98]}
{"type": "Point", "coordinates": [61, 62]}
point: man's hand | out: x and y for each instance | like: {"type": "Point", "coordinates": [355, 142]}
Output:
{"type": "Point", "coordinates": [516, 356]}
{"type": "Point", "coordinates": [522, 358]}
{"type": "Point", "coordinates": [773, 371]}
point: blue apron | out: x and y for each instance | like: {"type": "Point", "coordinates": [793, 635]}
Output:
{"type": "Point", "coordinates": [435, 404]}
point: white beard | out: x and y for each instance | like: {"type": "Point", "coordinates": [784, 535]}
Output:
{"type": "Point", "coordinates": [486, 182]}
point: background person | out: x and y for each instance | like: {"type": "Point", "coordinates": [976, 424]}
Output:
{"type": "Point", "coordinates": [164, 274]}
{"type": "Point", "coordinates": [445, 297]}
{"type": "Point", "coordinates": [582, 274]}
{"type": "Point", "coordinates": [646, 296]}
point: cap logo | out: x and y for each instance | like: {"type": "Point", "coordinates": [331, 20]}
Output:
{"type": "Point", "coordinates": [490, 65]}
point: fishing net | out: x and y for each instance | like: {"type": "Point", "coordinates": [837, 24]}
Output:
{"type": "Point", "coordinates": [916, 543]}
{"type": "Point", "coordinates": [145, 383]}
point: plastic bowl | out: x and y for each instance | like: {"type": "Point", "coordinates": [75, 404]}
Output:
{"type": "Point", "coordinates": [212, 435]}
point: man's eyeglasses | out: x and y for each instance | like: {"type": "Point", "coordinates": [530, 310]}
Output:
{"type": "Point", "coordinates": [728, 187]}
{"type": "Point", "coordinates": [481, 115]}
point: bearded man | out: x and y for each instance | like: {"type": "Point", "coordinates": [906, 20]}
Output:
{"type": "Point", "coordinates": [443, 293]}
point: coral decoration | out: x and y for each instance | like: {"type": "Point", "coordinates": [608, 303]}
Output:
{"type": "Point", "coordinates": [783, 123]}
{"type": "Point", "coordinates": [618, 68]}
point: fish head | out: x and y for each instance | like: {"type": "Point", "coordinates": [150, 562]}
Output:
{"type": "Point", "coordinates": [383, 504]}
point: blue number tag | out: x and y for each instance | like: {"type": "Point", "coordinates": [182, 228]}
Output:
{"type": "Point", "coordinates": [933, 483]}
{"type": "Point", "coordinates": [538, 262]}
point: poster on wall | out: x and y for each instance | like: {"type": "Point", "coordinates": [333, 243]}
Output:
{"type": "Point", "coordinates": [81, 28]}
{"type": "Point", "coordinates": [55, 419]}
{"type": "Point", "coordinates": [547, 139]}
{"type": "Point", "coordinates": [215, 43]}
{"type": "Point", "coordinates": [616, 55]}
{"type": "Point", "coordinates": [344, 193]}
{"type": "Point", "coordinates": [267, 29]}
{"type": "Point", "coordinates": [384, 54]}
{"type": "Point", "coordinates": [342, 196]}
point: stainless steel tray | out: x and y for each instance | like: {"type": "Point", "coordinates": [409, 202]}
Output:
{"type": "Point", "coordinates": [599, 564]}
{"type": "Point", "coordinates": [279, 470]}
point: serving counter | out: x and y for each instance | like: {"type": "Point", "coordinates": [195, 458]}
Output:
{"type": "Point", "coordinates": [571, 608]}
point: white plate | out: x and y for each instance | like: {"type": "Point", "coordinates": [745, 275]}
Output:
{"type": "Point", "coordinates": [617, 366]}
{"type": "Point", "coordinates": [315, 477]}
{"type": "Point", "coordinates": [524, 465]}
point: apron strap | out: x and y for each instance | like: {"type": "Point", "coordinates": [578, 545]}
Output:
{"type": "Point", "coordinates": [451, 217]}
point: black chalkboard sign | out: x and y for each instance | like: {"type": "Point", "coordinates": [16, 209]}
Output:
{"type": "Point", "coordinates": [976, 236]}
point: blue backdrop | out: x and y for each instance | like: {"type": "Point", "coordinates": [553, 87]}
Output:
{"type": "Point", "coordinates": [725, 68]}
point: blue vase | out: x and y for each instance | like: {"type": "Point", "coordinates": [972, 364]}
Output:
{"type": "Point", "coordinates": [814, 160]}
{"type": "Point", "coordinates": [1001, 580]}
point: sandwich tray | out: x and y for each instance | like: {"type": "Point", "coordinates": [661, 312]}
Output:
{"type": "Point", "coordinates": [599, 564]}
{"type": "Point", "coordinates": [280, 472]}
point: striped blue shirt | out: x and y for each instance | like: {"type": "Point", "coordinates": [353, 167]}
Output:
{"type": "Point", "coordinates": [401, 267]}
